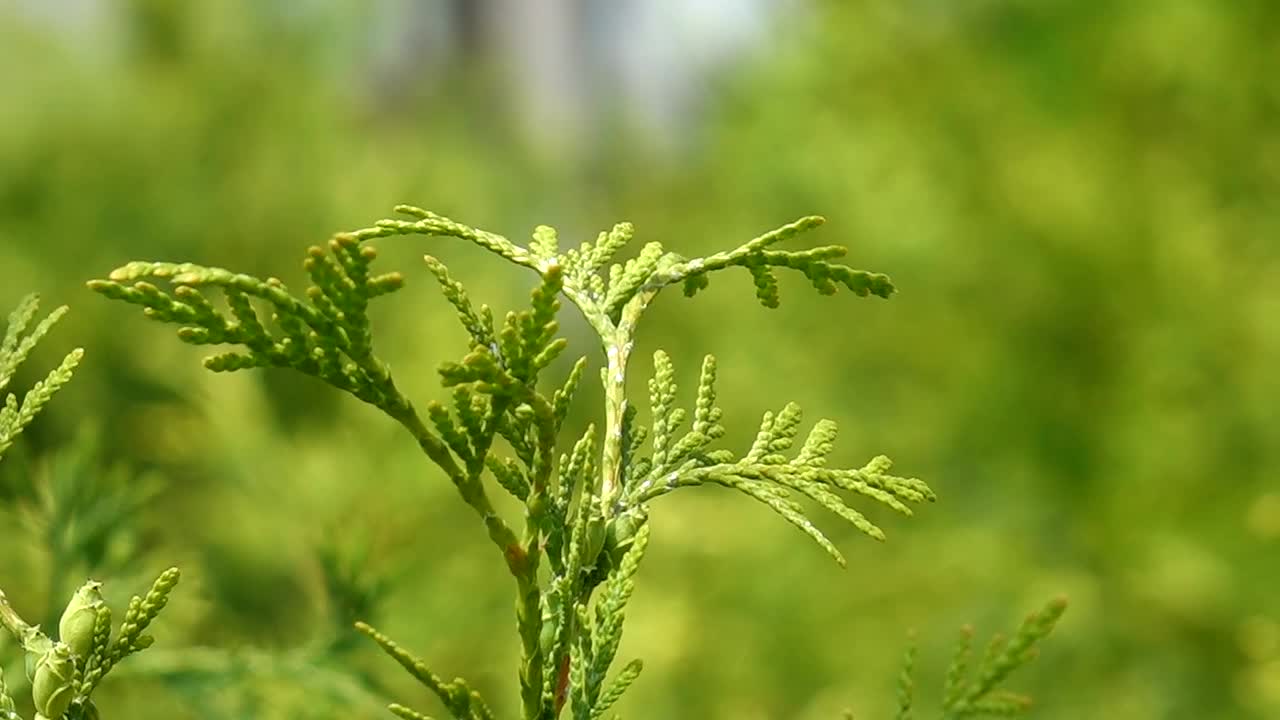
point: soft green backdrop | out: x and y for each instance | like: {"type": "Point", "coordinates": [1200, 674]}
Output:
{"type": "Point", "coordinates": [1080, 203]}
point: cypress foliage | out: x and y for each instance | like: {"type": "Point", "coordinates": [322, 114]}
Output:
{"type": "Point", "coordinates": [575, 552]}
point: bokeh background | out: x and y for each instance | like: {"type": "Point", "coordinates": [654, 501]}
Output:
{"type": "Point", "coordinates": [1078, 201]}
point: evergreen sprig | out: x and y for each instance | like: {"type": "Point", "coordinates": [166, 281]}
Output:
{"type": "Point", "coordinates": [141, 611]}
{"type": "Point", "coordinates": [327, 335]}
{"type": "Point", "coordinates": [65, 671]}
{"type": "Point", "coordinates": [585, 503]}
{"type": "Point", "coordinates": [976, 691]}
{"type": "Point", "coordinates": [456, 695]}
{"type": "Point", "coordinates": [599, 638]}
{"type": "Point", "coordinates": [655, 267]}
{"type": "Point", "coordinates": [764, 473]}
{"type": "Point", "coordinates": [19, 340]}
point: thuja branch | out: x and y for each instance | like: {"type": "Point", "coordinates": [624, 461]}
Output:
{"type": "Point", "coordinates": [976, 690]}
{"type": "Point", "coordinates": [584, 520]}
{"type": "Point", "coordinates": [326, 336]}
{"type": "Point", "coordinates": [64, 669]}
{"type": "Point", "coordinates": [614, 308]}
{"type": "Point", "coordinates": [19, 340]}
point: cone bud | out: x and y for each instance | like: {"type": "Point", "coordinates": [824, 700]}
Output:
{"type": "Point", "coordinates": [79, 618]}
{"type": "Point", "coordinates": [52, 687]}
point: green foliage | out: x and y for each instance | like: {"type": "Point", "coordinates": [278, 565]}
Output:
{"type": "Point", "coordinates": [19, 339]}
{"type": "Point", "coordinates": [65, 671]}
{"type": "Point", "coordinates": [597, 641]}
{"type": "Point", "coordinates": [1086, 258]}
{"type": "Point", "coordinates": [764, 472]}
{"type": "Point", "coordinates": [458, 697]}
{"type": "Point", "coordinates": [80, 516]}
{"type": "Point", "coordinates": [588, 522]}
{"type": "Point", "coordinates": [326, 336]}
{"type": "Point", "coordinates": [976, 692]}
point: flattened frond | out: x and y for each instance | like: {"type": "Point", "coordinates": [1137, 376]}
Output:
{"type": "Point", "coordinates": [764, 473]}
{"type": "Point", "coordinates": [327, 335]}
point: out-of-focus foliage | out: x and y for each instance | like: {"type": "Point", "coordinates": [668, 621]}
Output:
{"type": "Point", "coordinates": [1078, 202]}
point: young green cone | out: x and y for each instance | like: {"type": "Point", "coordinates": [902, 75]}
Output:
{"type": "Point", "coordinates": [78, 620]}
{"type": "Point", "coordinates": [52, 688]}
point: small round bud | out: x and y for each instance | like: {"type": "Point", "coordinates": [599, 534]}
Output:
{"type": "Point", "coordinates": [78, 620]}
{"type": "Point", "coordinates": [52, 688]}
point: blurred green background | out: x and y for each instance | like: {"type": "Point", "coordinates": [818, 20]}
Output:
{"type": "Point", "coordinates": [1077, 200]}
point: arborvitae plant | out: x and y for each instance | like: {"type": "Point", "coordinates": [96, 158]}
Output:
{"type": "Point", "coordinates": [584, 527]}
{"type": "Point", "coordinates": [64, 672]}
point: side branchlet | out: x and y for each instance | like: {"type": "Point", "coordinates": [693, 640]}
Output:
{"type": "Point", "coordinates": [977, 691]}
{"type": "Point", "coordinates": [764, 472]}
{"type": "Point", "coordinates": [326, 335]}
{"type": "Point", "coordinates": [600, 636]}
{"type": "Point", "coordinates": [458, 697]}
{"type": "Point", "coordinates": [19, 340]}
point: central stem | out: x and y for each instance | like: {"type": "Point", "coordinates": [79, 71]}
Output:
{"type": "Point", "coordinates": [615, 407]}
{"type": "Point", "coordinates": [618, 349]}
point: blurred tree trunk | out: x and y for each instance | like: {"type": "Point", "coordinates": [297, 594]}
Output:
{"type": "Point", "coordinates": [469, 27]}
